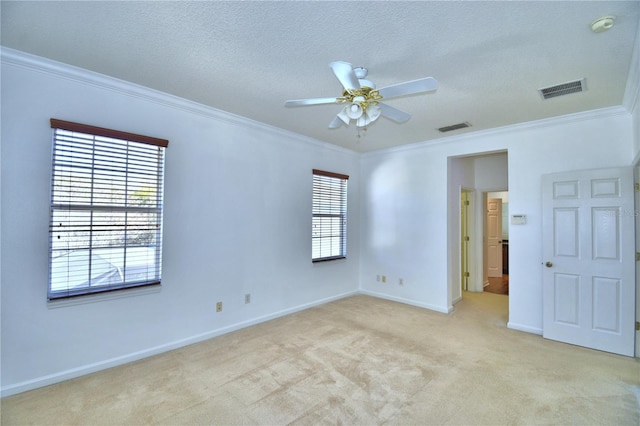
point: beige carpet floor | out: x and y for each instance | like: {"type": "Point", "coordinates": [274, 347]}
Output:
{"type": "Point", "coordinates": [356, 361]}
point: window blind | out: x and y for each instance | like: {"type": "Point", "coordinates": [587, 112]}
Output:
{"type": "Point", "coordinates": [106, 210]}
{"type": "Point", "coordinates": [329, 221]}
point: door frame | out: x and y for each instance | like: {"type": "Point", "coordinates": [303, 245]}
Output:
{"type": "Point", "coordinates": [473, 282]}
{"type": "Point", "coordinates": [636, 203]}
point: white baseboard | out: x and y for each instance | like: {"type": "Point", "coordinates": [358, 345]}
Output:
{"type": "Point", "coordinates": [525, 328]}
{"type": "Point", "coordinates": [135, 356]}
{"type": "Point", "coordinates": [408, 301]}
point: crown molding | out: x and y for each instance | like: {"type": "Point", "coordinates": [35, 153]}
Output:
{"type": "Point", "coordinates": [31, 62]}
{"type": "Point", "coordinates": [498, 131]}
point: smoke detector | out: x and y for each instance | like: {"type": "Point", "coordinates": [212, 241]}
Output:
{"type": "Point", "coordinates": [602, 24]}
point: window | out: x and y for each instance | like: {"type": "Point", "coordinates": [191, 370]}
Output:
{"type": "Point", "coordinates": [105, 230]}
{"type": "Point", "coordinates": [329, 223]}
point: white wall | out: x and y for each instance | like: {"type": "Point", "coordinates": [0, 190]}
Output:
{"type": "Point", "coordinates": [407, 207]}
{"type": "Point", "coordinates": [492, 172]}
{"type": "Point", "coordinates": [237, 220]}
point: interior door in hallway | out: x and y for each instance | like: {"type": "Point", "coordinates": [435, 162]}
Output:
{"type": "Point", "coordinates": [589, 259]}
{"type": "Point", "coordinates": [494, 237]}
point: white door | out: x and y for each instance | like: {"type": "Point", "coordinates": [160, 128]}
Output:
{"type": "Point", "coordinates": [589, 259]}
{"type": "Point", "coordinates": [494, 237]}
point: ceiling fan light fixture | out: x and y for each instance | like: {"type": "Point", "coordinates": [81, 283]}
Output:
{"type": "Point", "coordinates": [373, 112]}
{"type": "Point", "coordinates": [354, 110]}
{"type": "Point", "coordinates": [363, 121]}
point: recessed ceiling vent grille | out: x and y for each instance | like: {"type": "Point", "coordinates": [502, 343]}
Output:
{"type": "Point", "coordinates": [563, 89]}
{"type": "Point", "coordinates": [454, 127]}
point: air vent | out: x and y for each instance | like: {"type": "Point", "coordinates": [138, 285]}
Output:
{"type": "Point", "coordinates": [454, 127]}
{"type": "Point", "coordinates": [563, 89]}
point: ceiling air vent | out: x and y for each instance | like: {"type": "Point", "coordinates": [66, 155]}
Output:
{"type": "Point", "coordinates": [454, 127]}
{"type": "Point", "coordinates": [563, 89]}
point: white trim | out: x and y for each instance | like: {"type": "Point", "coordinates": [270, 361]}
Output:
{"type": "Point", "coordinates": [436, 308]}
{"type": "Point", "coordinates": [24, 60]}
{"type": "Point", "coordinates": [100, 297]}
{"type": "Point", "coordinates": [135, 356]}
{"type": "Point", "coordinates": [525, 328]}
{"type": "Point", "coordinates": [498, 131]}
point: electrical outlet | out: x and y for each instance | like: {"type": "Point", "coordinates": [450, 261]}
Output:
{"type": "Point", "coordinates": [219, 307]}
{"type": "Point", "coordinates": [384, 278]}
{"type": "Point", "coordinates": [247, 298]}
{"type": "Point", "coordinates": [400, 281]}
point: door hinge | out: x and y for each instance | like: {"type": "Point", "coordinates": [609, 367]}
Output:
{"type": "Point", "coordinates": [466, 274]}
{"type": "Point", "coordinates": [637, 256]}
{"type": "Point", "coordinates": [637, 187]}
{"type": "Point", "coordinates": [466, 202]}
{"type": "Point", "coordinates": [466, 238]}
{"type": "Point", "coordinates": [637, 325]}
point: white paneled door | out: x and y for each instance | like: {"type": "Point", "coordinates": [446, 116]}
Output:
{"type": "Point", "coordinates": [589, 259]}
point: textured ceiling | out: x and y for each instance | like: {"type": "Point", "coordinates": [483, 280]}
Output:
{"type": "Point", "coordinates": [247, 58]}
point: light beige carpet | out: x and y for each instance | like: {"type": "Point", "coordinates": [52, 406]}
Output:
{"type": "Point", "coordinates": [356, 361]}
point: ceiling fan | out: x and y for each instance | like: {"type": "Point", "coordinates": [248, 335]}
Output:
{"type": "Point", "coordinates": [363, 100]}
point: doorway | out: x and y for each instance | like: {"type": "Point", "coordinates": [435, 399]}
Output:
{"type": "Point", "coordinates": [473, 176]}
{"type": "Point", "coordinates": [470, 178]}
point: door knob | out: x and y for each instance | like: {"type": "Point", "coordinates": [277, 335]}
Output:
{"type": "Point", "coordinates": [548, 264]}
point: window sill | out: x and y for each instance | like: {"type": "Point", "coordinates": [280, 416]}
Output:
{"type": "Point", "coordinates": [329, 259]}
{"type": "Point", "coordinates": [100, 297]}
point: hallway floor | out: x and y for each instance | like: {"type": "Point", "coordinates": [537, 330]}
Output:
{"type": "Point", "coordinates": [498, 285]}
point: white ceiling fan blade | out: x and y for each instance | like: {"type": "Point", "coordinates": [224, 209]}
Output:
{"type": "Point", "coordinates": [335, 123]}
{"type": "Point", "coordinates": [409, 87]}
{"type": "Point", "coordinates": [344, 73]}
{"type": "Point", "coordinates": [394, 113]}
{"type": "Point", "coordinates": [312, 101]}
